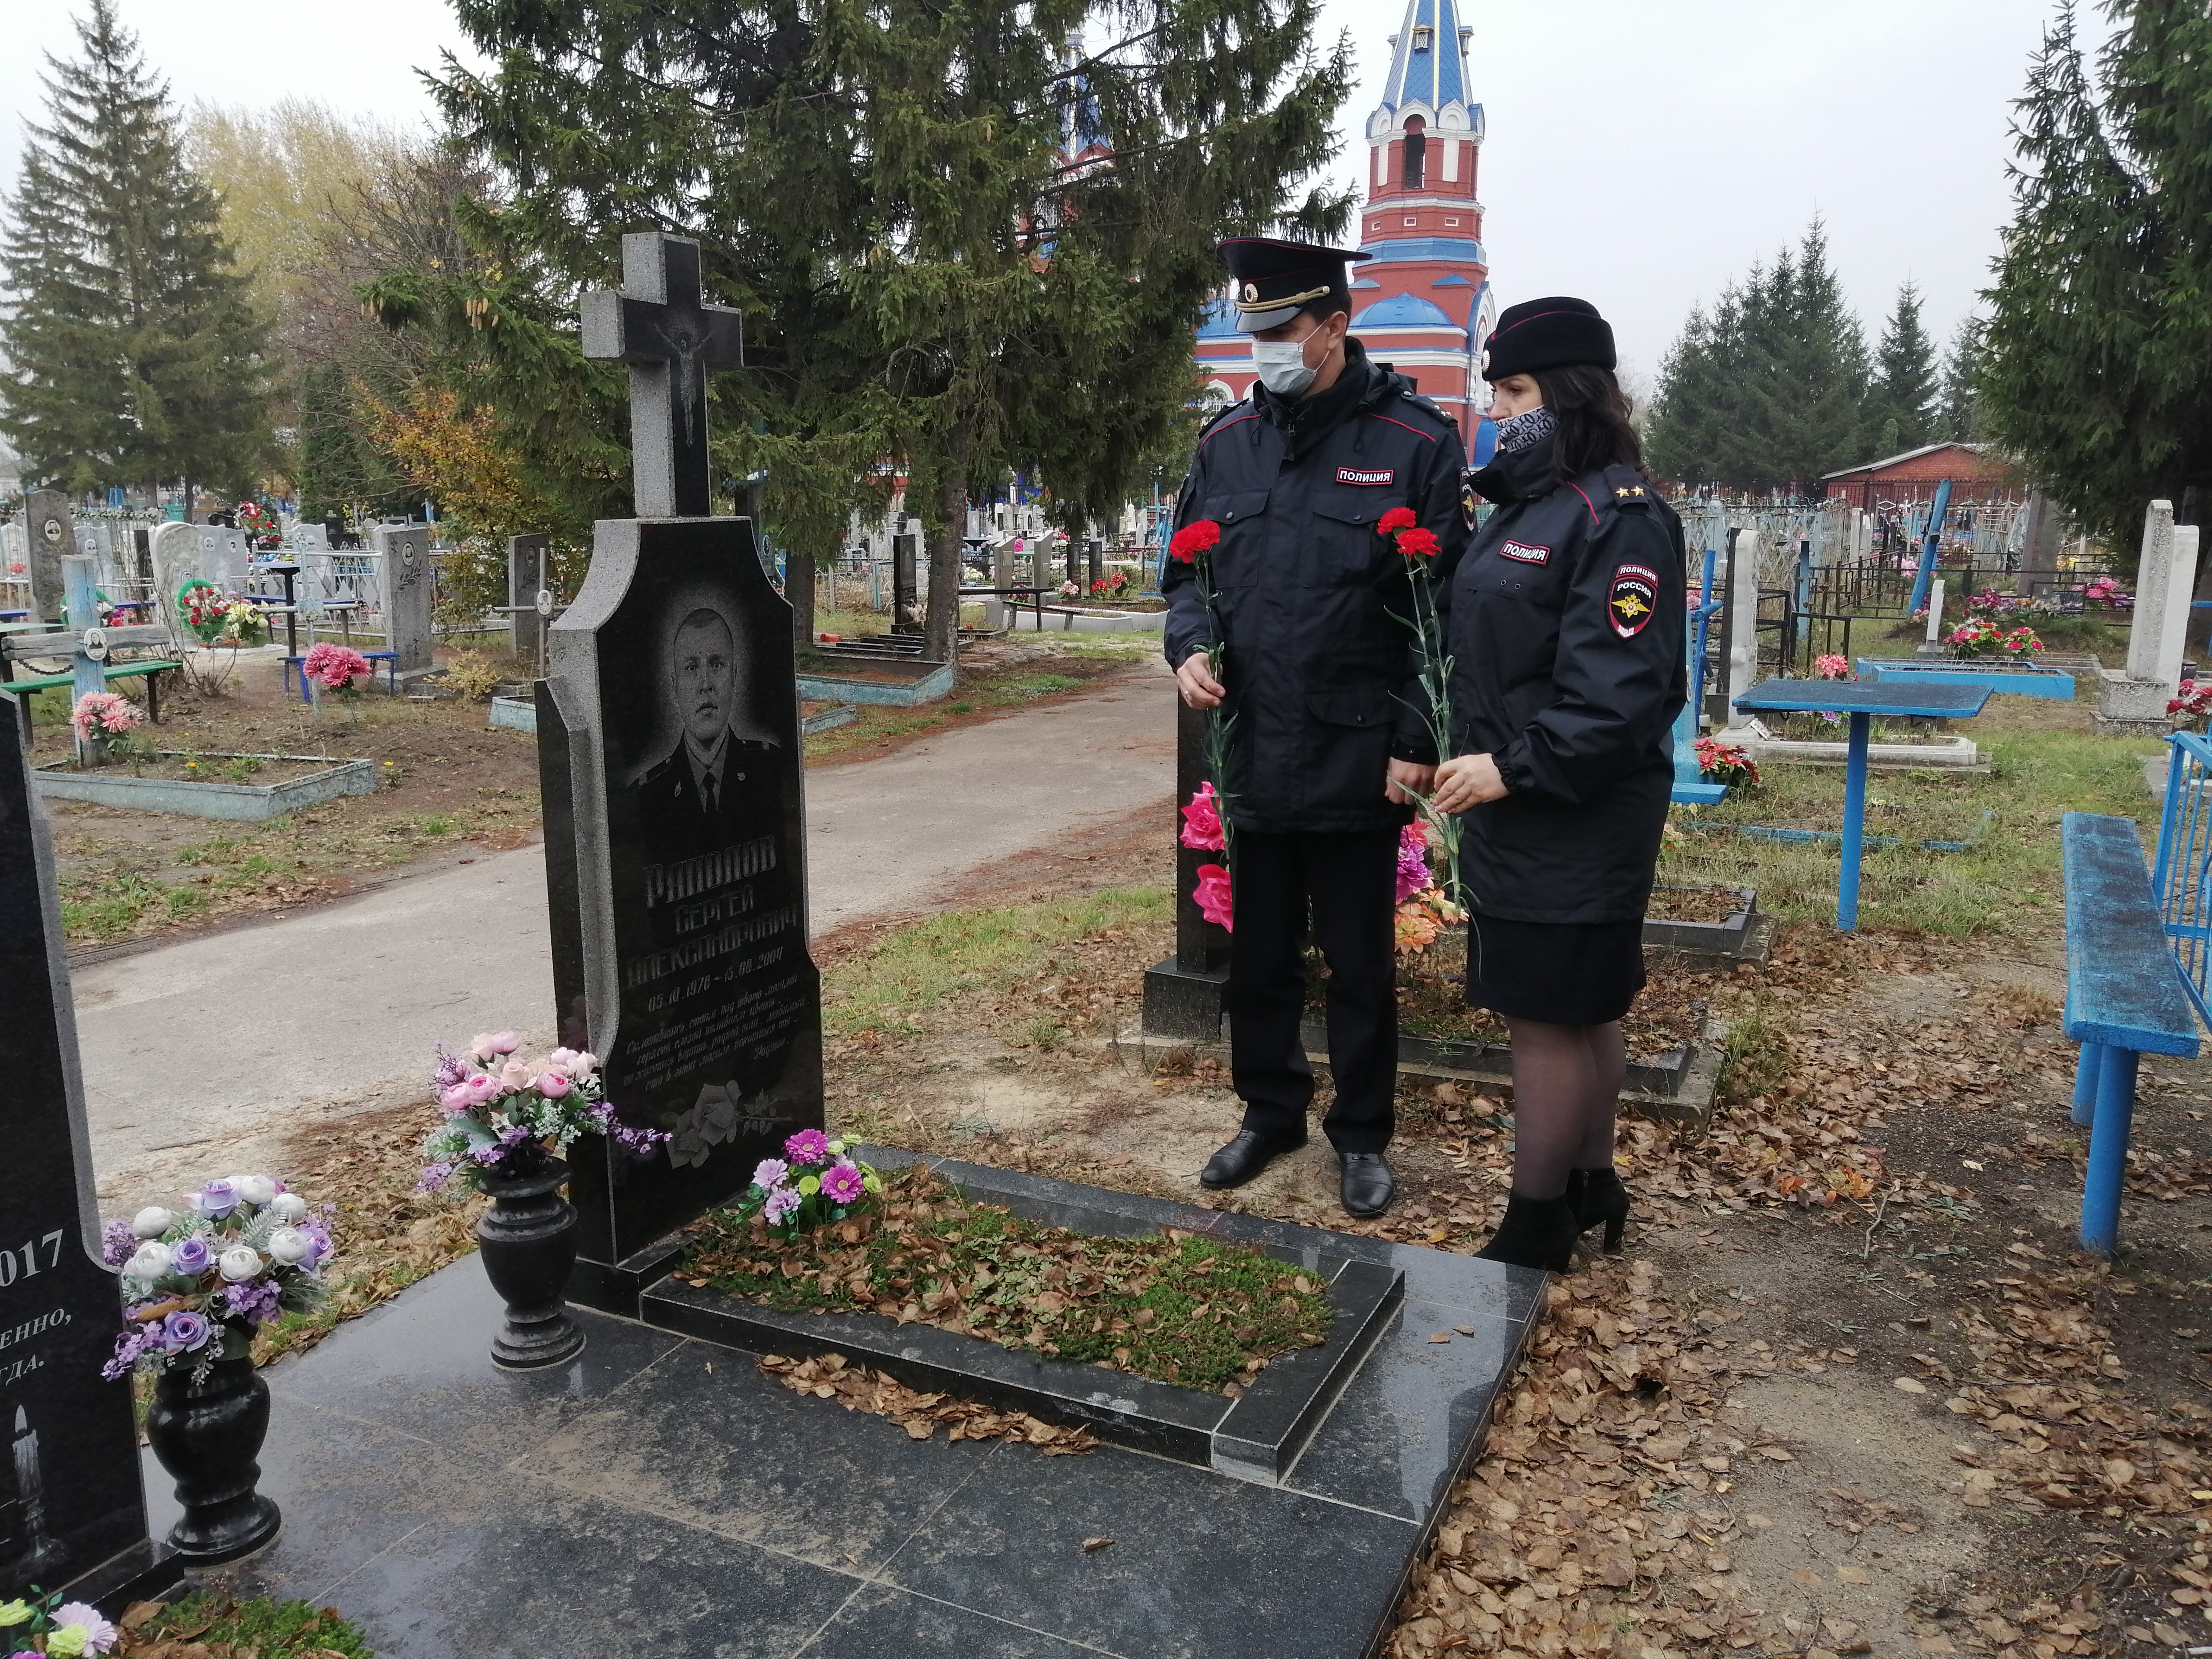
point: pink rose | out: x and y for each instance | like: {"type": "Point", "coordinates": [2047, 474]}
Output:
{"type": "Point", "coordinates": [553, 1085]}
{"type": "Point", "coordinates": [584, 1066]}
{"type": "Point", "coordinates": [454, 1098]}
{"type": "Point", "coordinates": [480, 1088]}
{"type": "Point", "coordinates": [504, 1042]}
{"type": "Point", "coordinates": [480, 1046]}
{"type": "Point", "coordinates": [514, 1075]}
{"type": "Point", "coordinates": [1201, 821]}
{"type": "Point", "coordinates": [1212, 894]}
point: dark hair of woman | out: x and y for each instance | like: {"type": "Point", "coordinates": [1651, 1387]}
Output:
{"type": "Point", "coordinates": [1592, 414]}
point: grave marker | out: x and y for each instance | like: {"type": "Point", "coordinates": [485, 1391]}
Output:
{"type": "Point", "coordinates": [51, 532]}
{"type": "Point", "coordinates": [72, 1509]}
{"type": "Point", "coordinates": [175, 548]}
{"type": "Point", "coordinates": [529, 596]}
{"type": "Point", "coordinates": [669, 761]}
{"type": "Point", "coordinates": [2133, 699]}
{"type": "Point", "coordinates": [406, 553]}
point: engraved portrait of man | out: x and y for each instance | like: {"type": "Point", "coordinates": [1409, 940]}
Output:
{"type": "Point", "coordinates": [697, 799]}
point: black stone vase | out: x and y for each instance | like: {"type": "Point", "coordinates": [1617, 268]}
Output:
{"type": "Point", "coordinates": [528, 1241]}
{"type": "Point", "coordinates": [207, 1434]}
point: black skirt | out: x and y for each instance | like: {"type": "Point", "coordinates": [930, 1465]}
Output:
{"type": "Point", "coordinates": [1570, 973]}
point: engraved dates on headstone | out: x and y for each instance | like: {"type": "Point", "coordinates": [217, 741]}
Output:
{"type": "Point", "coordinates": [669, 755]}
{"type": "Point", "coordinates": [72, 1514]}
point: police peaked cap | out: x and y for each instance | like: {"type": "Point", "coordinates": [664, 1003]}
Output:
{"type": "Point", "coordinates": [1274, 279]}
{"type": "Point", "coordinates": [1539, 334]}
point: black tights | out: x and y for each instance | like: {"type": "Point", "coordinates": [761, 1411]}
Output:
{"type": "Point", "coordinates": [1566, 1083]}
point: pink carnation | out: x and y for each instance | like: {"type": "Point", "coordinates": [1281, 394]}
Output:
{"type": "Point", "coordinates": [1201, 822]}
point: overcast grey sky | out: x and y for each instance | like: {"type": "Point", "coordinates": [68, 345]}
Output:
{"type": "Point", "coordinates": [1640, 154]}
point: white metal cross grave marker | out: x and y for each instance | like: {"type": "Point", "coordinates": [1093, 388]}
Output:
{"type": "Point", "coordinates": [82, 639]}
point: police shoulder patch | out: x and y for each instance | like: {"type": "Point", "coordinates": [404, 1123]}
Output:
{"type": "Point", "coordinates": [1633, 599]}
{"type": "Point", "coordinates": [1467, 502]}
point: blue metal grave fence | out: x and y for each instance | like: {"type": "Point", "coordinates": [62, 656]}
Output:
{"type": "Point", "coordinates": [2182, 877]}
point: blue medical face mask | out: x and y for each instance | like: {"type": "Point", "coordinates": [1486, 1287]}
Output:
{"type": "Point", "coordinates": [1526, 430]}
{"type": "Point", "coordinates": [1282, 366]}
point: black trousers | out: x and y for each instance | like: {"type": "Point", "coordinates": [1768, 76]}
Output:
{"type": "Point", "coordinates": [1348, 883]}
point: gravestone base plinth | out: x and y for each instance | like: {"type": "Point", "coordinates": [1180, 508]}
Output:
{"type": "Point", "coordinates": [2126, 705]}
{"type": "Point", "coordinates": [670, 1465]}
{"type": "Point", "coordinates": [1184, 1002]}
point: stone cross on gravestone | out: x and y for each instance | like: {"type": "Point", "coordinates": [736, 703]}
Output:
{"type": "Point", "coordinates": [660, 327]}
{"type": "Point", "coordinates": [669, 765]}
{"type": "Point", "coordinates": [72, 1507]}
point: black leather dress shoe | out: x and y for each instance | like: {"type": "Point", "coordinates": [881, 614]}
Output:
{"type": "Point", "coordinates": [1369, 1186]}
{"type": "Point", "coordinates": [1243, 1157]}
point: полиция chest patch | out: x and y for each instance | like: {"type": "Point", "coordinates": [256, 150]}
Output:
{"type": "Point", "coordinates": [1366, 475]}
{"type": "Point", "coordinates": [1522, 553]}
{"type": "Point", "coordinates": [1633, 598]}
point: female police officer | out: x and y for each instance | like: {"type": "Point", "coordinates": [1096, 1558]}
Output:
{"type": "Point", "coordinates": [1565, 626]}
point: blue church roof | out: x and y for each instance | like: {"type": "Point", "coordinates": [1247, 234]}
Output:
{"type": "Point", "coordinates": [1403, 310]}
{"type": "Point", "coordinates": [1221, 319]}
{"type": "Point", "coordinates": [1436, 76]}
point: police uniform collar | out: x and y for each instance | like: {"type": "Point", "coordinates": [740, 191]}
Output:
{"type": "Point", "coordinates": [1522, 476]}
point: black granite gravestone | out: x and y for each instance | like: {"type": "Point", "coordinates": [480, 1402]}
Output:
{"type": "Point", "coordinates": [72, 1511]}
{"type": "Point", "coordinates": [669, 762]}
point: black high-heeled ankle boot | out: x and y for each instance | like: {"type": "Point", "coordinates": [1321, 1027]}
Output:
{"type": "Point", "coordinates": [1597, 1195]}
{"type": "Point", "coordinates": [1536, 1232]}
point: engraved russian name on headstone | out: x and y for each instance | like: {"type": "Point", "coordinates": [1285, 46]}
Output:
{"type": "Point", "coordinates": [72, 1512]}
{"type": "Point", "coordinates": [52, 536]}
{"type": "Point", "coordinates": [675, 846]}
{"type": "Point", "coordinates": [407, 591]}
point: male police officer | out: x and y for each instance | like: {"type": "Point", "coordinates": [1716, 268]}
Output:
{"type": "Point", "coordinates": [1328, 729]}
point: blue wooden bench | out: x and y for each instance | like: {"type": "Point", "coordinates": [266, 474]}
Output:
{"type": "Point", "coordinates": [2124, 999]}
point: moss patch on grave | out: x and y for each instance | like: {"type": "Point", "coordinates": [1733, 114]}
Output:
{"type": "Point", "coordinates": [1170, 1306]}
{"type": "Point", "coordinates": [205, 1627]}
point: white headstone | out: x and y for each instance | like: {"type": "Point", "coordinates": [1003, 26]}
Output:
{"type": "Point", "coordinates": [2173, 618]}
{"type": "Point", "coordinates": [2154, 584]}
{"type": "Point", "coordinates": [176, 556]}
{"type": "Point", "coordinates": [1743, 614]}
{"type": "Point", "coordinates": [310, 538]}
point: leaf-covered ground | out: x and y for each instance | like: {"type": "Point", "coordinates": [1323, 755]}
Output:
{"type": "Point", "coordinates": [203, 1626]}
{"type": "Point", "coordinates": [1169, 1306]}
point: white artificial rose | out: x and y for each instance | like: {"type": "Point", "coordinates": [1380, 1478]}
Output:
{"type": "Point", "coordinates": [289, 1206]}
{"type": "Point", "coordinates": [290, 1246]}
{"type": "Point", "coordinates": [239, 1263]}
{"type": "Point", "coordinates": [254, 1189]}
{"type": "Point", "coordinates": [152, 1221]}
{"type": "Point", "coordinates": [149, 1262]}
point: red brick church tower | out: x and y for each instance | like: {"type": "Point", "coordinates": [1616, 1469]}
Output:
{"type": "Point", "coordinates": [1423, 303]}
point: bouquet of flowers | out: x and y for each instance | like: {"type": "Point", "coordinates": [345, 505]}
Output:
{"type": "Point", "coordinates": [1068, 590]}
{"type": "Point", "coordinates": [2021, 644]}
{"type": "Point", "coordinates": [1193, 545]}
{"type": "Point", "coordinates": [104, 715]}
{"type": "Point", "coordinates": [503, 1122]}
{"type": "Point", "coordinates": [221, 618]}
{"type": "Point", "coordinates": [198, 1282]}
{"type": "Point", "coordinates": [1725, 763]}
{"type": "Point", "coordinates": [259, 523]}
{"type": "Point", "coordinates": [52, 1626]}
{"type": "Point", "coordinates": [334, 667]}
{"type": "Point", "coordinates": [816, 1181]}
{"type": "Point", "coordinates": [1111, 586]}
{"type": "Point", "coordinates": [1832, 668]}
{"type": "Point", "coordinates": [2108, 593]}
{"type": "Point", "coordinates": [1977, 636]}
{"type": "Point", "coordinates": [2193, 702]}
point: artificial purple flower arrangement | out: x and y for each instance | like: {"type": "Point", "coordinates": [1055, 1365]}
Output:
{"type": "Point", "coordinates": [502, 1111]}
{"type": "Point", "coordinates": [816, 1181]}
{"type": "Point", "coordinates": [198, 1283]}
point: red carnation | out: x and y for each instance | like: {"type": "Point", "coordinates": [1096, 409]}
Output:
{"type": "Point", "coordinates": [1398, 518]}
{"type": "Point", "coordinates": [1421, 544]}
{"type": "Point", "coordinates": [1200, 536]}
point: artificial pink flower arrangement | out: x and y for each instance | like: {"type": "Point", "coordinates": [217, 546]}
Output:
{"type": "Point", "coordinates": [104, 715]}
{"type": "Point", "coordinates": [816, 1181]}
{"type": "Point", "coordinates": [505, 1114]}
{"type": "Point", "coordinates": [333, 667]}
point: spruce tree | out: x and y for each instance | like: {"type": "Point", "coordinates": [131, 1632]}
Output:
{"type": "Point", "coordinates": [2097, 361]}
{"type": "Point", "coordinates": [933, 276]}
{"type": "Point", "coordinates": [134, 348]}
{"type": "Point", "coordinates": [1960, 419]}
{"type": "Point", "coordinates": [1902, 402]}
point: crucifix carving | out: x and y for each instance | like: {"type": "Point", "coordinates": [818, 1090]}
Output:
{"type": "Point", "coordinates": [659, 325]}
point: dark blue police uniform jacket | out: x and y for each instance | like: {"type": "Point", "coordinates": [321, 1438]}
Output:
{"type": "Point", "coordinates": [1319, 666]}
{"type": "Point", "coordinates": [1566, 630]}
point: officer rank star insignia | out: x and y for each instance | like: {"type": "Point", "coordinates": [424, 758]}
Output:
{"type": "Point", "coordinates": [1635, 596]}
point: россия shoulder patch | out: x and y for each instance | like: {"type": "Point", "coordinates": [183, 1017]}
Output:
{"type": "Point", "coordinates": [1633, 599]}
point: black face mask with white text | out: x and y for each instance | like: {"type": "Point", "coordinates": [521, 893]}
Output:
{"type": "Point", "coordinates": [1526, 430]}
